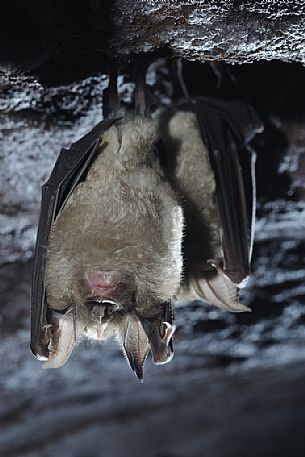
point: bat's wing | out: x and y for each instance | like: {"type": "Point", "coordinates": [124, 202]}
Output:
{"type": "Point", "coordinates": [227, 127]}
{"type": "Point", "coordinates": [70, 168]}
{"type": "Point", "coordinates": [135, 344]}
{"type": "Point", "coordinates": [139, 335]}
{"type": "Point", "coordinates": [160, 330]}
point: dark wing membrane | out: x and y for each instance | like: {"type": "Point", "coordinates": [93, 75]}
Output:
{"type": "Point", "coordinates": [135, 344]}
{"type": "Point", "coordinates": [227, 127]}
{"type": "Point", "coordinates": [70, 168]}
{"type": "Point", "coordinates": [159, 330]}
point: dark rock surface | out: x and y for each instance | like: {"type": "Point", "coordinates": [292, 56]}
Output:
{"type": "Point", "coordinates": [236, 384]}
{"type": "Point", "coordinates": [80, 37]}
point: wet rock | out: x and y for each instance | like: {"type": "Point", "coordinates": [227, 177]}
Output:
{"type": "Point", "coordinates": [78, 38]}
{"type": "Point", "coordinates": [209, 325]}
{"type": "Point", "coordinates": [15, 280]}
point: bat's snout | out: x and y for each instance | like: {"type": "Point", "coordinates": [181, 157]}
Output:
{"type": "Point", "coordinates": [101, 309]}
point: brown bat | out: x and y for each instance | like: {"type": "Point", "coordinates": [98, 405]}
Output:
{"type": "Point", "coordinates": [108, 255]}
{"type": "Point", "coordinates": [211, 165]}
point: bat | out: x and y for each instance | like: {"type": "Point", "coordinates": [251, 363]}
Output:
{"type": "Point", "coordinates": [108, 254]}
{"type": "Point", "coordinates": [211, 166]}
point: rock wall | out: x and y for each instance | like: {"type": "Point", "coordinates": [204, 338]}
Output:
{"type": "Point", "coordinates": [85, 36]}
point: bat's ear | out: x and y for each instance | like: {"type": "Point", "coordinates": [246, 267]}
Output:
{"type": "Point", "coordinates": [62, 339]}
{"type": "Point", "coordinates": [160, 330]}
{"type": "Point", "coordinates": [135, 343]}
{"type": "Point", "coordinates": [140, 334]}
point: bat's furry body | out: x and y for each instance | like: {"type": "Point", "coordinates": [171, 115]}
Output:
{"type": "Point", "coordinates": [108, 256]}
{"type": "Point", "coordinates": [122, 223]}
{"type": "Point", "coordinates": [191, 174]}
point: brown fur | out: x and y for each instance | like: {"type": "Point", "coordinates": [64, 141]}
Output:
{"type": "Point", "coordinates": [191, 175]}
{"type": "Point", "coordinates": [124, 217]}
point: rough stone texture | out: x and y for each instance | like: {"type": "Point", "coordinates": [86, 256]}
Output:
{"type": "Point", "coordinates": [84, 36]}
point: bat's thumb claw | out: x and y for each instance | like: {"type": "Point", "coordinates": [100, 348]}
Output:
{"type": "Point", "coordinates": [62, 341]}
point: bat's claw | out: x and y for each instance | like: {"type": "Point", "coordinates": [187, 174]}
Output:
{"type": "Point", "coordinates": [41, 350]}
{"type": "Point", "coordinates": [237, 277]}
{"type": "Point", "coordinates": [62, 339]}
{"type": "Point", "coordinates": [145, 101]}
{"type": "Point", "coordinates": [162, 344]}
{"type": "Point", "coordinates": [217, 266]}
{"type": "Point", "coordinates": [168, 333]}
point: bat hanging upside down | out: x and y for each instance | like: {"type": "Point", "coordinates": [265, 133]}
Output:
{"type": "Point", "coordinates": [108, 256]}
{"type": "Point", "coordinates": [205, 138]}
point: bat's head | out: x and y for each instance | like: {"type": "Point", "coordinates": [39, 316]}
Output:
{"type": "Point", "coordinates": [109, 308]}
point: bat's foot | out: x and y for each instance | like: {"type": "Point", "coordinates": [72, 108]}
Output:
{"type": "Point", "coordinates": [179, 87]}
{"type": "Point", "coordinates": [144, 100]}
{"type": "Point", "coordinates": [168, 333]}
{"type": "Point", "coordinates": [218, 69]}
{"type": "Point", "coordinates": [111, 101]}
